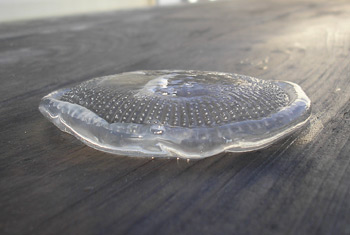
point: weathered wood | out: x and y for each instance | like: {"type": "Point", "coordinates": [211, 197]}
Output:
{"type": "Point", "coordinates": [50, 183]}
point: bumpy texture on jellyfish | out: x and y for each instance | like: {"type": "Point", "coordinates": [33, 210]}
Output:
{"type": "Point", "coordinates": [187, 114]}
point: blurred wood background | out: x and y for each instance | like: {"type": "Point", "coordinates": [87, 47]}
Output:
{"type": "Point", "coordinates": [50, 183]}
{"type": "Point", "coordinates": [14, 10]}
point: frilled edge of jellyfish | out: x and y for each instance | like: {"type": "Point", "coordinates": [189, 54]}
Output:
{"type": "Point", "coordinates": [164, 141]}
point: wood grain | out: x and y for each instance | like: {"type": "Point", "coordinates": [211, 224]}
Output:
{"type": "Point", "coordinates": [50, 183]}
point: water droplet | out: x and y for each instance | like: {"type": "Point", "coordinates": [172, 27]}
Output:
{"type": "Point", "coordinates": [157, 129]}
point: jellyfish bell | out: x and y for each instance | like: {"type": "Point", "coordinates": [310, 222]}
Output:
{"type": "Point", "coordinates": [186, 114]}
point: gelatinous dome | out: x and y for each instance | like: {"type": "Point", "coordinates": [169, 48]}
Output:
{"type": "Point", "coordinates": [190, 114]}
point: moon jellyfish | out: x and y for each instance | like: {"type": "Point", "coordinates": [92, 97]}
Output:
{"type": "Point", "coordinates": [187, 114]}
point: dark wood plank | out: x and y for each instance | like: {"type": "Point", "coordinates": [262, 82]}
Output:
{"type": "Point", "coordinates": [50, 183]}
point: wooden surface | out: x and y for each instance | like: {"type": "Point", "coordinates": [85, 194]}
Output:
{"type": "Point", "coordinates": [50, 183]}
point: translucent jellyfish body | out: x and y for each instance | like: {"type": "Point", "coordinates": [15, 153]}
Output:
{"type": "Point", "coordinates": [188, 114]}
